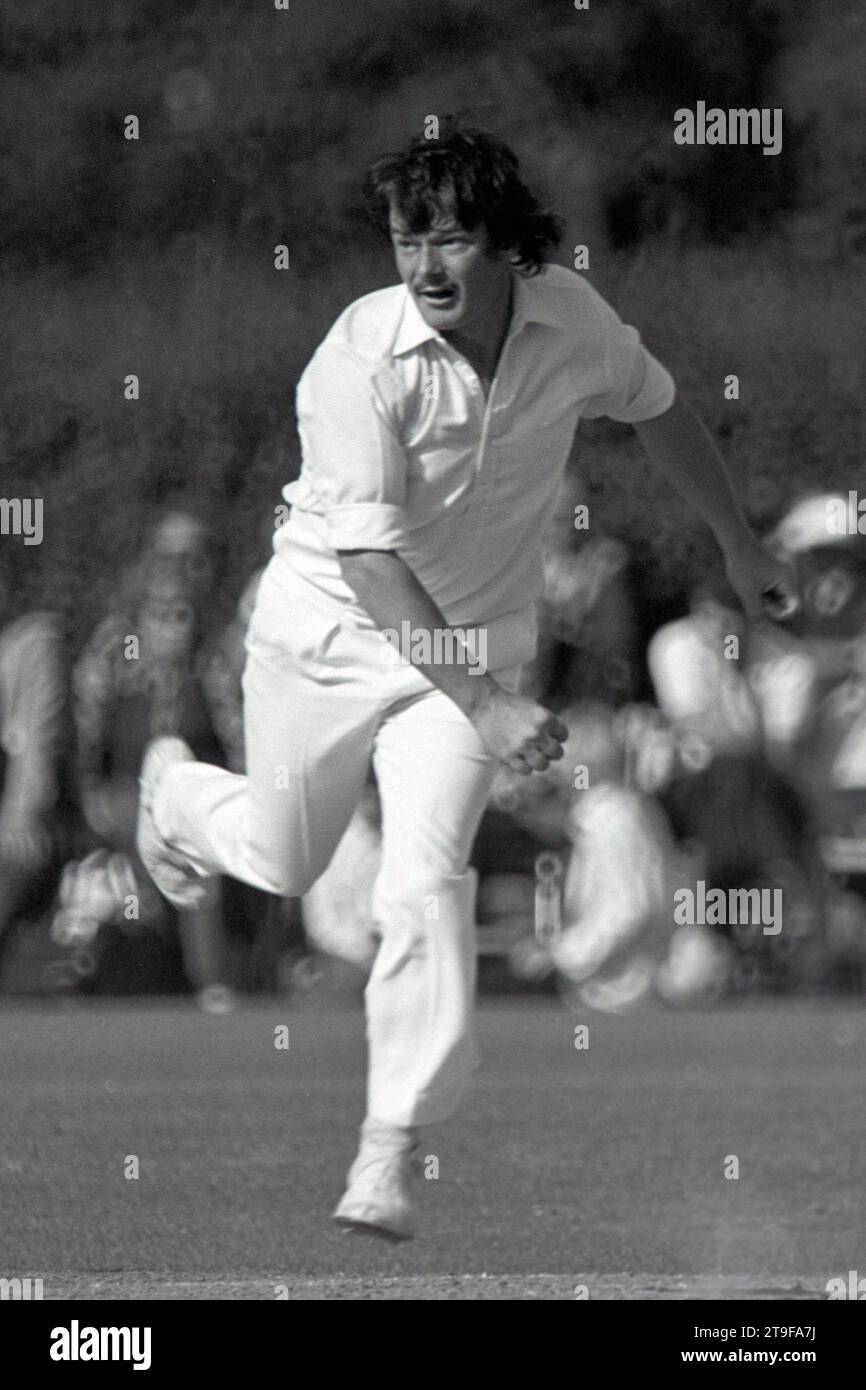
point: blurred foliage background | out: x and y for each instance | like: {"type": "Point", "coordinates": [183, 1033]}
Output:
{"type": "Point", "coordinates": [156, 256]}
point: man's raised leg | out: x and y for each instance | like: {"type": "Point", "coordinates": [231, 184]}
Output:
{"type": "Point", "coordinates": [308, 753]}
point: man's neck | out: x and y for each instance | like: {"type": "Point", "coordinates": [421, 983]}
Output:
{"type": "Point", "coordinates": [483, 349]}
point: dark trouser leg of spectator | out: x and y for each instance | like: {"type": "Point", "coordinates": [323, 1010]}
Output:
{"type": "Point", "coordinates": [17, 887]}
{"type": "Point", "coordinates": [205, 954]}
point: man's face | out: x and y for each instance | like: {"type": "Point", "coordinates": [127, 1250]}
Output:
{"type": "Point", "coordinates": [456, 282]}
{"type": "Point", "coordinates": [179, 549]}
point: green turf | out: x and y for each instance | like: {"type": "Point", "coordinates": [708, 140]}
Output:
{"type": "Point", "coordinates": [601, 1167]}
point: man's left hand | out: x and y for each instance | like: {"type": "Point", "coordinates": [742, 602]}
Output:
{"type": "Point", "coordinates": [765, 585]}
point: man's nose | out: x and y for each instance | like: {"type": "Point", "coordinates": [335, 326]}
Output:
{"type": "Point", "coordinates": [429, 263]}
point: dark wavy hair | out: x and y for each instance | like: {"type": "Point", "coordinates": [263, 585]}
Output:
{"type": "Point", "coordinates": [473, 176]}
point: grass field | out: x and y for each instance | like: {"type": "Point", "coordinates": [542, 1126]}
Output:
{"type": "Point", "coordinates": [601, 1168]}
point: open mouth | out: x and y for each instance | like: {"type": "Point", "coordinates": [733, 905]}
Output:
{"type": "Point", "coordinates": [439, 298]}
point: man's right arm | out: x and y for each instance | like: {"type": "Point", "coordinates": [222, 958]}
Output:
{"type": "Point", "coordinates": [348, 418]}
{"type": "Point", "coordinates": [520, 733]}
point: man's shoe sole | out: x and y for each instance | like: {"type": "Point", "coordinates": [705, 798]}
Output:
{"type": "Point", "coordinates": [352, 1226]}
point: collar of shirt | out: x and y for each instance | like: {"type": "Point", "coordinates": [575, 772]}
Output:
{"type": "Point", "coordinates": [528, 307]}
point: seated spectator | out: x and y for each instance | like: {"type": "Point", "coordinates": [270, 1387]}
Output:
{"type": "Point", "coordinates": [36, 797]}
{"type": "Point", "coordinates": [812, 683]}
{"type": "Point", "coordinates": [141, 675]}
{"type": "Point", "coordinates": [597, 808]}
{"type": "Point", "coordinates": [182, 548]}
{"type": "Point", "coordinates": [699, 680]}
{"type": "Point", "coordinates": [726, 797]}
{"type": "Point", "coordinates": [588, 644]}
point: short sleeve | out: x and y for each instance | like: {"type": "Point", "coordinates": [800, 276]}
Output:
{"type": "Point", "coordinates": [353, 461]}
{"type": "Point", "coordinates": [637, 386]}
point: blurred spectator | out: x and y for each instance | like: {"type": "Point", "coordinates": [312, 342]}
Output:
{"type": "Point", "coordinates": [183, 548]}
{"type": "Point", "coordinates": [597, 806]}
{"type": "Point", "coordinates": [819, 658]}
{"type": "Point", "coordinates": [817, 676]}
{"type": "Point", "coordinates": [36, 799]}
{"type": "Point", "coordinates": [737, 809]}
{"type": "Point", "coordinates": [588, 645]}
{"type": "Point", "coordinates": [699, 682]}
{"type": "Point", "coordinates": [144, 673]}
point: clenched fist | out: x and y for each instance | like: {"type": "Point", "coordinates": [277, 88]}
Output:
{"type": "Point", "coordinates": [523, 735]}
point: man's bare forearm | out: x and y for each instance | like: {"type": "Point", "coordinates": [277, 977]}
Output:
{"type": "Point", "coordinates": [682, 448]}
{"type": "Point", "coordinates": [31, 786]}
{"type": "Point", "coordinates": [393, 596]}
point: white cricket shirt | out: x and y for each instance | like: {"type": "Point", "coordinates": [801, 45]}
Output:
{"type": "Point", "coordinates": [402, 452]}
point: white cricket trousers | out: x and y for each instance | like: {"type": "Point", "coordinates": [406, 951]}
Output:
{"type": "Point", "coordinates": [321, 701]}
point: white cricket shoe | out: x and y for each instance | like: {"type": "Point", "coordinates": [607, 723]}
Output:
{"type": "Point", "coordinates": [378, 1197]}
{"type": "Point", "coordinates": [173, 875]}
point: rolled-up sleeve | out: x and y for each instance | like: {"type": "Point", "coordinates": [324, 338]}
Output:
{"type": "Point", "coordinates": [353, 461]}
{"type": "Point", "coordinates": [637, 386]}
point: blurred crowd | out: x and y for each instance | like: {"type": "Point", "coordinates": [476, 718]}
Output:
{"type": "Point", "coordinates": [77, 909]}
{"type": "Point", "coordinates": [711, 753]}
{"type": "Point", "coordinates": [703, 751]}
